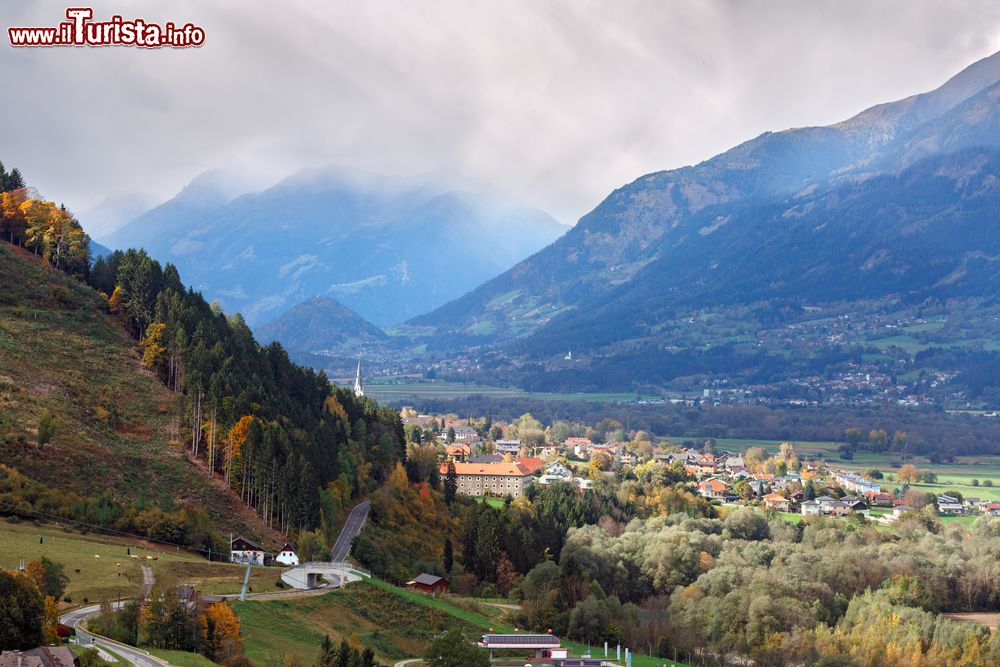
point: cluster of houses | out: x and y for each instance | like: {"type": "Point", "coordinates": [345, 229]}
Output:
{"type": "Point", "coordinates": [244, 551]}
{"type": "Point", "coordinates": [718, 476]}
{"type": "Point", "coordinates": [507, 471]}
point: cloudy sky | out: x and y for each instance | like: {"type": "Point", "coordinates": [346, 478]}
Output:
{"type": "Point", "coordinates": [556, 102]}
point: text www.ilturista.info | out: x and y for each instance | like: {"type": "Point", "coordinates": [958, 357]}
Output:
{"type": "Point", "coordinates": [80, 30]}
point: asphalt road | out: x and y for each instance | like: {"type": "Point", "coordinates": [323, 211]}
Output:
{"type": "Point", "coordinates": [135, 656]}
{"type": "Point", "coordinates": [355, 520]}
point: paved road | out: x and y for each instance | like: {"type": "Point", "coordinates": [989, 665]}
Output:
{"type": "Point", "coordinates": [355, 520]}
{"type": "Point", "coordinates": [134, 656]}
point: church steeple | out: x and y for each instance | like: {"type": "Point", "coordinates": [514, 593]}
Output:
{"type": "Point", "coordinates": [359, 389]}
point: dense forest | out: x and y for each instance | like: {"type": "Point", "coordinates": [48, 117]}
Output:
{"type": "Point", "coordinates": [274, 431]}
{"type": "Point", "coordinates": [296, 449]}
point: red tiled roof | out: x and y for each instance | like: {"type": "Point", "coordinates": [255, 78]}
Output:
{"type": "Point", "coordinates": [502, 469]}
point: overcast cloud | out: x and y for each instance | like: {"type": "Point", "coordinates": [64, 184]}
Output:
{"type": "Point", "coordinates": [557, 103]}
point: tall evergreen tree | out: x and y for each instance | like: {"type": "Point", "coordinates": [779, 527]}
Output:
{"type": "Point", "coordinates": [14, 180]}
{"type": "Point", "coordinates": [449, 555]}
{"type": "Point", "coordinates": [450, 483]}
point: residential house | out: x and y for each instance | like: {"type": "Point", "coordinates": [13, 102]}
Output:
{"type": "Point", "coordinates": [421, 421]}
{"type": "Point", "coordinates": [549, 452]}
{"type": "Point", "coordinates": [950, 506]}
{"type": "Point", "coordinates": [458, 451]}
{"type": "Point", "coordinates": [242, 550]}
{"type": "Point", "coordinates": [879, 498]}
{"type": "Point", "coordinates": [856, 483]}
{"type": "Point", "coordinates": [991, 509]}
{"type": "Point", "coordinates": [465, 434]}
{"type": "Point", "coordinates": [732, 463]}
{"type": "Point", "coordinates": [531, 464]}
{"type": "Point", "coordinates": [579, 446]}
{"type": "Point", "coordinates": [287, 555]}
{"type": "Point", "coordinates": [556, 472]}
{"type": "Point", "coordinates": [825, 505]}
{"type": "Point", "coordinates": [43, 656]}
{"type": "Point", "coordinates": [512, 447]}
{"type": "Point", "coordinates": [809, 508]}
{"type": "Point", "coordinates": [713, 488]}
{"type": "Point", "coordinates": [557, 469]}
{"type": "Point", "coordinates": [777, 502]}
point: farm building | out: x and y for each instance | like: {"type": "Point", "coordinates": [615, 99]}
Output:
{"type": "Point", "coordinates": [428, 583]}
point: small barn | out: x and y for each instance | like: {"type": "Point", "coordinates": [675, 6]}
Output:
{"type": "Point", "coordinates": [287, 556]}
{"type": "Point", "coordinates": [428, 583]}
{"type": "Point", "coordinates": [242, 550]}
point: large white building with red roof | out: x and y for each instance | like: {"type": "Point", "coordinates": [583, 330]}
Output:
{"type": "Point", "coordinates": [491, 479]}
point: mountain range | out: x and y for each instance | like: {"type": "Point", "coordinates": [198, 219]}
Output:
{"type": "Point", "coordinates": [897, 201]}
{"type": "Point", "coordinates": [389, 248]}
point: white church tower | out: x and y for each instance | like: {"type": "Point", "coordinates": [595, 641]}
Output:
{"type": "Point", "coordinates": [359, 389]}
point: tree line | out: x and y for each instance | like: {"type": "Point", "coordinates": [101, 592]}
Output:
{"type": "Point", "coordinates": [295, 448]}
{"type": "Point", "coordinates": [44, 228]}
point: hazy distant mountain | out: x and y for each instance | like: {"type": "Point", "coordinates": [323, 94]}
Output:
{"type": "Point", "coordinates": [900, 199]}
{"type": "Point", "coordinates": [318, 324]}
{"type": "Point", "coordinates": [98, 250]}
{"type": "Point", "coordinates": [389, 248]}
{"type": "Point", "coordinates": [114, 212]}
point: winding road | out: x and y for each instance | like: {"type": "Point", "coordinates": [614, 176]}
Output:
{"type": "Point", "coordinates": [139, 658]}
{"type": "Point", "coordinates": [355, 521]}
{"type": "Point", "coordinates": [133, 655]}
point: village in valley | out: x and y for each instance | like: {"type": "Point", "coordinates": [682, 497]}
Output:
{"type": "Point", "coordinates": [489, 463]}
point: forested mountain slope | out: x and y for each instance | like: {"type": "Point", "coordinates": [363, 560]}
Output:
{"type": "Point", "coordinates": [67, 367]}
{"type": "Point", "coordinates": [196, 429]}
{"type": "Point", "coordinates": [319, 323]}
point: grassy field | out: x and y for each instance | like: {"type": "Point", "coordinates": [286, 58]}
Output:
{"type": "Point", "coordinates": [401, 389]}
{"type": "Point", "coordinates": [80, 650]}
{"type": "Point", "coordinates": [98, 566]}
{"type": "Point", "coordinates": [492, 502]}
{"type": "Point", "coordinates": [220, 578]}
{"type": "Point", "coordinates": [396, 623]}
{"type": "Point", "coordinates": [393, 626]}
{"type": "Point", "coordinates": [182, 658]}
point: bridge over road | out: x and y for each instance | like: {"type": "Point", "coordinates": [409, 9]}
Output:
{"type": "Point", "coordinates": [337, 572]}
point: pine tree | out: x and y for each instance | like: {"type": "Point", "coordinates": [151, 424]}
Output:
{"type": "Point", "coordinates": [450, 483]}
{"type": "Point", "coordinates": [449, 555]}
{"type": "Point", "coordinates": [328, 653]}
{"type": "Point", "coordinates": [14, 180]}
